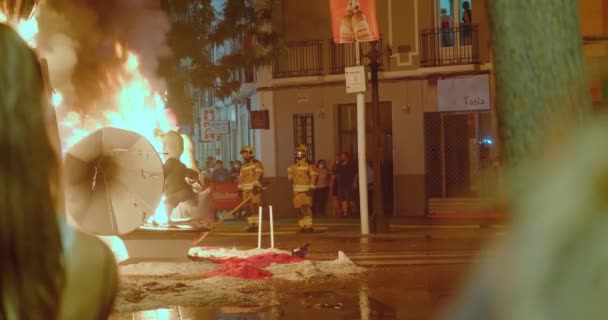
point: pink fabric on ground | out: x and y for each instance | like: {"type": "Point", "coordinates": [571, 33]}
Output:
{"type": "Point", "coordinates": [251, 267]}
{"type": "Point", "coordinates": [239, 270]}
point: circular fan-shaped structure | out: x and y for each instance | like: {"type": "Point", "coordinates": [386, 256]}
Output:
{"type": "Point", "coordinates": [18, 9]}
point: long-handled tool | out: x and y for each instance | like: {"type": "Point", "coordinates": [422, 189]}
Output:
{"type": "Point", "coordinates": [204, 234]}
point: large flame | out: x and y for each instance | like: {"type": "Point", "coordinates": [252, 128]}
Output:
{"type": "Point", "coordinates": [133, 106]}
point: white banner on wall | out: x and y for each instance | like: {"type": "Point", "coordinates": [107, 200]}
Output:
{"type": "Point", "coordinates": [217, 127]}
{"type": "Point", "coordinates": [464, 93]}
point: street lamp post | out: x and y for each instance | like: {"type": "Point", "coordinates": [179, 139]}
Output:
{"type": "Point", "coordinates": [379, 223]}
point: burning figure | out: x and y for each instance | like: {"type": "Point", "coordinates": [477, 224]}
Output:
{"type": "Point", "coordinates": [177, 189]}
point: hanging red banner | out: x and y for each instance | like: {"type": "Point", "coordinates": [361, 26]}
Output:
{"type": "Point", "coordinates": [354, 20]}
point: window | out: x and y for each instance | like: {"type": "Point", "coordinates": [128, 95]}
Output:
{"type": "Point", "coordinates": [304, 132]}
{"type": "Point", "coordinates": [455, 22]}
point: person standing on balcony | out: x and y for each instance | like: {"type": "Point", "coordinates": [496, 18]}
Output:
{"type": "Point", "coordinates": [467, 23]}
{"type": "Point", "coordinates": [446, 28]}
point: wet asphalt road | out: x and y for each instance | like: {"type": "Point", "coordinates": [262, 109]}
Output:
{"type": "Point", "coordinates": [412, 272]}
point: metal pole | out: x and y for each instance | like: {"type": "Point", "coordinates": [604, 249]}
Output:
{"type": "Point", "coordinates": [260, 227]}
{"type": "Point", "coordinates": [361, 153]}
{"type": "Point", "coordinates": [271, 229]}
{"type": "Point", "coordinates": [379, 222]}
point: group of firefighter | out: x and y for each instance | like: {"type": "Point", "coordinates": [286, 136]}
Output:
{"type": "Point", "coordinates": [302, 173]}
{"type": "Point", "coordinates": [180, 193]}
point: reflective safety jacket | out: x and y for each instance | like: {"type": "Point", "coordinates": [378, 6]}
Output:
{"type": "Point", "coordinates": [250, 175]}
{"type": "Point", "coordinates": [303, 175]}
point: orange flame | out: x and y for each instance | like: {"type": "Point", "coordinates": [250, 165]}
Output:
{"type": "Point", "coordinates": [136, 108]}
{"type": "Point", "coordinates": [133, 105]}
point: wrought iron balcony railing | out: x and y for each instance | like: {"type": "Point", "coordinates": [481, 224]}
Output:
{"type": "Point", "coordinates": [299, 59]}
{"type": "Point", "coordinates": [342, 55]}
{"type": "Point", "coordinates": [449, 46]}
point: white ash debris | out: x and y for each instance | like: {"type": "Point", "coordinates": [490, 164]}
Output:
{"type": "Point", "coordinates": [149, 285]}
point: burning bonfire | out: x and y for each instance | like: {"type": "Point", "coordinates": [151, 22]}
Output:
{"type": "Point", "coordinates": [132, 104]}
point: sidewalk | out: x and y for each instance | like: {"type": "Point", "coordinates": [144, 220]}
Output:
{"type": "Point", "coordinates": [334, 226]}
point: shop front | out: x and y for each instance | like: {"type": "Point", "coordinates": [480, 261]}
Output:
{"type": "Point", "coordinates": [458, 139]}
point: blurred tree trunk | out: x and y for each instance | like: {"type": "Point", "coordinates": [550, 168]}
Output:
{"type": "Point", "coordinates": [541, 75]}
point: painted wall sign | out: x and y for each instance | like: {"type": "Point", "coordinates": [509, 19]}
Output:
{"type": "Point", "coordinates": [464, 93]}
{"type": "Point", "coordinates": [217, 126]}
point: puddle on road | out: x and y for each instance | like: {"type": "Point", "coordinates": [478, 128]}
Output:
{"type": "Point", "coordinates": [318, 305]}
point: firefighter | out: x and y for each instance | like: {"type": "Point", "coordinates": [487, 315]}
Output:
{"type": "Point", "coordinates": [250, 184]}
{"type": "Point", "coordinates": [303, 174]}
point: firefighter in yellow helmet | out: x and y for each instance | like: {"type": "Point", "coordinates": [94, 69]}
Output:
{"type": "Point", "coordinates": [250, 185]}
{"type": "Point", "coordinates": [303, 174]}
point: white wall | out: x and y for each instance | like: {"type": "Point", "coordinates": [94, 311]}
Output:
{"type": "Point", "coordinates": [265, 143]}
{"type": "Point", "coordinates": [408, 104]}
{"type": "Point", "coordinates": [408, 125]}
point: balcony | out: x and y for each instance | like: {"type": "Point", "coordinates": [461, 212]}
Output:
{"type": "Point", "coordinates": [342, 55]}
{"type": "Point", "coordinates": [308, 58]}
{"type": "Point", "coordinates": [450, 46]}
{"type": "Point", "coordinates": [299, 59]}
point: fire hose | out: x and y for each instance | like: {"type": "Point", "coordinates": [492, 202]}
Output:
{"type": "Point", "coordinates": [204, 234]}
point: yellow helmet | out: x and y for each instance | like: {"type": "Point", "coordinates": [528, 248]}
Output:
{"type": "Point", "coordinates": [301, 151]}
{"type": "Point", "coordinates": [248, 150]}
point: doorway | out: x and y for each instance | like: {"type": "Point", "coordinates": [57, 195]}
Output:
{"type": "Point", "coordinates": [347, 142]}
{"type": "Point", "coordinates": [457, 147]}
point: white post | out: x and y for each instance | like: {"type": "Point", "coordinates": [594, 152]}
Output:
{"type": "Point", "coordinates": [361, 151]}
{"type": "Point", "coordinates": [260, 227]}
{"type": "Point", "coordinates": [271, 230]}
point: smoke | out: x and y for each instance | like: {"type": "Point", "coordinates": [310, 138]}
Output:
{"type": "Point", "coordinates": [79, 37]}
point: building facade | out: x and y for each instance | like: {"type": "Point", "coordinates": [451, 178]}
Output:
{"type": "Point", "coordinates": [219, 127]}
{"type": "Point", "coordinates": [436, 101]}
{"type": "Point", "coordinates": [594, 29]}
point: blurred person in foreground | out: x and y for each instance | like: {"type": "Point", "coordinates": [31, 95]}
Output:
{"type": "Point", "coordinates": [48, 269]}
{"type": "Point", "coordinates": [553, 262]}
